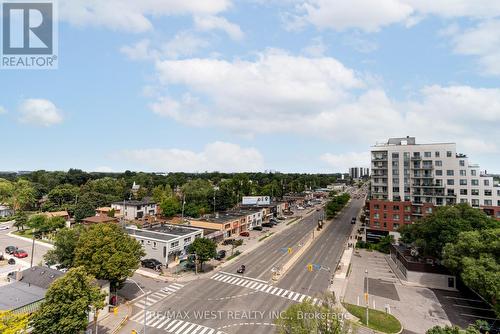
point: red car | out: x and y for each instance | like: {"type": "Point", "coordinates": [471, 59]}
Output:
{"type": "Point", "coordinates": [19, 253]}
{"type": "Point", "coordinates": [245, 234]}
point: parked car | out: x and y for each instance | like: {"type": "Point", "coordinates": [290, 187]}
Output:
{"type": "Point", "coordinates": [151, 264]}
{"type": "Point", "coordinates": [228, 242]}
{"type": "Point", "coordinates": [190, 265]}
{"type": "Point", "coordinates": [244, 234]}
{"type": "Point", "coordinates": [10, 249]}
{"type": "Point", "coordinates": [241, 269]}
{"type": "Point", "coordinates": [288, 213]}
{"type": "Point", "coordinates": [4, 227]}
{"type": "Point", "coordinates": [280, 218]}
{"type": "Point", "coordinates": [19, 253]}
{"type": "Point", "coordinates": [220, 254]}
{"type": "Point", "coordinates": [11, 261]}
{"type": "Point", "coordinates": [267, 225]}
{"type": "Point", "coordinates": [11, 276]}
{"type": "Point", "coordinates": [353, 220]}
{"type": "Point", "coordinates": [257, 228]}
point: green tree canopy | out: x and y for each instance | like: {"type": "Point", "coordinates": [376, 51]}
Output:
{"type": "Point", "coordinates": [13, 323]}
{"type": "Point", "coordinates": [170, 206]}
{"type": "Point", "coordinates": [443, 226]}
{"type": "Point", "coordinates": [107, 252]}
{"type": "Point", "coordinates": [65, 242]}
{"type": "Point", "coordinates": [205, 249]}
{"type": "Point", "coordinates": [67, 303]}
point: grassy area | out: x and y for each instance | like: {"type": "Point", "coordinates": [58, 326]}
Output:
{"type": "Point", "coordinates": [235, 254]}
{"type": "Point", "coordinates": [378, 320]}
{"type": "Point", "coordinates": [29, 234]}
{"type": "Point", "coordinates": [266, 236]}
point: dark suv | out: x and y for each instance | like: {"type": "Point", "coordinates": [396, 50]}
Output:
{"type": "Point", "coordinates": [10, 249]}
{"type": "Point", "coordinates": [151, 264]}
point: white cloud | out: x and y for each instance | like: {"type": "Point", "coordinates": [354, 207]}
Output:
{"type": "Point", "coordinates": [342, 162]}
{"type": "Point", "coordinates": [317, 48]}
{"type": "Point", "coordinates": [482, 41]}
{"type": "Point", "coordinates": [371, 16]}
{"type": "Point", "coordinates": [320, 97]}
{"type": "Point", "coordinates": [2, 110]}
{"type": "Point", "coordinates": [211, 22]}
{"type": "Point", "coordinates": [183, 43]}
{"type": "Point", "coordinates": [39, 112]}
{"type": "Point", "coordinates": [217, 156]}
{"type": "Point", "coordinates": [133, 15]}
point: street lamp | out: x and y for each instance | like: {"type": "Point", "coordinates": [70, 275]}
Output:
{"type": "Point", "coordinates": [145, 301]}
{"type": "Point", "coordinates": [366, 297]}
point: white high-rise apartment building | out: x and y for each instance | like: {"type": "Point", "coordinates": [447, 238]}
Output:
{"type": "Point", "coordinates": [430, 175]}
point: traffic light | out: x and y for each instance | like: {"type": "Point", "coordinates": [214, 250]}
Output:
{"type": "Point", "coordinates": [309, 267]}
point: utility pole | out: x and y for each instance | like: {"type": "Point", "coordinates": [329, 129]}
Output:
{"type": "Point", "coordinates": [183, 203]}
{"type": "Point", "coordinates": [366, 297]}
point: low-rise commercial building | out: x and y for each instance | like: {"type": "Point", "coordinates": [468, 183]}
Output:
{"type": "Point", "coordinates": [134, 209]}
{"type": "Point", "coordinates": [99, 220]}
{"type": "Point", "coordinates": [5, 211]}
{"type": "Point", "coordinates": [165, 243]}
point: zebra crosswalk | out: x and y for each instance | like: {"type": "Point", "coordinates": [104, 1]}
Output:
{"type": "Point", "coordinates": [155, 297]}
{"type": "Point", "coordinates": [263, 286]}
{"type": "Point", "coordinates": [171, 325]}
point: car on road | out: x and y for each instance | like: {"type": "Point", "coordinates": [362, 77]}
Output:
{"type": "Point", "coordinates": [11, 276]}
{"type": "Point", "coordinates": [267, 225]}
{"type": "Point", "coordinates": [281, 218]}
{"type": "Point", "coordinates": [4, 227]}
{"type": "Point", "coordinates": [244, 234]}
{"type": "Point", "coordinates": [257, 228]}
{"type": "Point", "coordinates": [353, 220]}
{"type": "Point", "coordinates": [241, 269]}
{"type": "Point", "coordinates": [19, 253]}
{"type": "Point", "coordinates": [190, 265]}
{"type": "Point", "coordinates": [10, 249]}
{"type": "Point", "coordinates": [11, 261]}
{"type": "Point", "coordinates": [220, 254]}
{"type": "Point", "coordinates": [151, 264]}
{"type": "Point", "coordinates": [288, 213]}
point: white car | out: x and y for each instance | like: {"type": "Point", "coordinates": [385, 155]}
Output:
{"type": "Point", "coordinates": [4, 227]}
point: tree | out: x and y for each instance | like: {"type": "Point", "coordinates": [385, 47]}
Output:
{"type": "Point", "coordinates": [6, 190]}
{"type": "Point", "coordinates": [13, 323]}
{"type": "Point", "coordinates": [63, 252]}
{"type": "Point", "coordinates": [443, 226]}
{"type": "Point", "coordinates": [471, 329]}
{"type": "Point", "coordinates": [293, 320]}
{"type": "Point", "coordinates": [21, 220]}
{"type": "Point", "coordinates": [205, 249]}
{"type": "Point", "coordinates": [42, 224]}
{"type": "Point", "coordinates": [107, 252]}
{"type": "Point", "coordinates": [89, 202]}
{"type": "Point", "coordinates": [67, 303]}
{"type": "Point", "coordinates": [24, 195]}
{"type": "Point", "coordinates": [336, 203]}
{"type": "Point", "coordinates": [170, 206]}
{"type": "Point", "coordinates": [161, 192]}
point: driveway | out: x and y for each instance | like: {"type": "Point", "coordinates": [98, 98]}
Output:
{"type": "Point", "coordinates": [417, 308]}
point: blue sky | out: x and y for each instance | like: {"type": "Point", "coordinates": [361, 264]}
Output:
{"type": "Point", "coordinates": [289, 85]}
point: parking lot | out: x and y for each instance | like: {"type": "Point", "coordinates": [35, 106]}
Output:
{"type": "Point", "coordinates": [417, 308]}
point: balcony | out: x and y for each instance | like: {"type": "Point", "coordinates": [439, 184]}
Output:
{"type": "Point", "coordinates": [416, 158]}
{"type": "Point", "coordinates": [379, 158]}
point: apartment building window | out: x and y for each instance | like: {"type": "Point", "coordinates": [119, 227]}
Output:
{"type": "Point", "coordinates": [439, 172]}
{"type": "Point", "coordinates": [463, 182]}
{"type": "Point", "coordinates": [450, 172]}
{"type": "Point", "coordinates": [474, 182]}
{"type": "Point", "coordinates": [427, 154]}
{"type": "Point", "coordinates": [395, 172]}
{"type": "Point", "coordinates": [395, 208]}
{"type": "Point", "coordinates": [395, 226]}
{"type": "Point", "coordinates": [449, 154]}
{"type": "Point", "coordinates": [439, 183]}
{"type": "Point", "coordinates": [463, 172]}
{"type": "Point", "coordinates": [474, 192]}
{"type": "Point", "coordinates": [487, 192]}
{"type": "Point", "coordinates": [174, 244]}
{"type": "Point", "coordinates": [475, 202]}
{"type": "Point", "coordinates": [488, 202]}
{"type": "Point", "coordinates": [395, 217]}
{"type": "Point", "coordinates": [416, 154]}
{"type": "Point", "coordinates": [498, 192]}
{"type": "Point", "coordinates": [439, 201]}
{"type": "Point", "coordinates": [407, 208]}
{"type": "Point", "coordinates": [428, 210]}
{"type": "Point", "coordinates": [395, 155]}
{"type": "Point", "coordinates": [450, 182]}
{"type": "Point", "coordinates": [376, 216]}
{"type": "Point", "coordinates": [395, 163]}
{"type": "Point", "coordinates": [406, 155]}
{"type": "Point", "coordinates": [395, 189]}
{"type": "Point", "coordinates": [463, 200]}
{"type": "Point", "coordinates": [186, 240]}
{"type": "Point", "coordinates": [395, 181]}
{"type": "Point", "coordinates": [385, 225]}
{"type": "Point", "coordinates": [487, 182]}
{"type": "Point", "coordinates": [376, 224]}
{"type": "Point", "coordinates": [407, 218]}
{"type": "Point", "coordinates": [436, 154]}
{"type": "Point", "coordinates": [498, 204]}
{"type": "Point", "coordinates": [376, 206]}
{"type": "Point", "coordinates": [463, 191]}
{"type": "Point", "coordinates": [438, 163]}
{"type": "Point", "coordinates": [462, 163]}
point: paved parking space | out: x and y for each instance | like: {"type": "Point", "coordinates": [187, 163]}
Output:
{"type": "Point", "coordinates": [463, 308]}
{"type": "Point", "coordinates": [418, 309]}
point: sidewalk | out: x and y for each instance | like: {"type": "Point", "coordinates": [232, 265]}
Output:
{"type": "Point", "coordinates": [112, 322]}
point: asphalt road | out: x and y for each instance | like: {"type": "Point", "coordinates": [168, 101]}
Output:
{"type": "Point", "coordinates": [232, 304]}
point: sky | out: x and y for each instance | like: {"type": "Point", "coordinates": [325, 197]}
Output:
{"type": "Point", "coordinates": [254, 85]}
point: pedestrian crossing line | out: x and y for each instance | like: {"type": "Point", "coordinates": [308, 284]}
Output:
{"type": "Point", "coordinates": [261, 286]}
{"type": "Point", "coordinates": [155, 297]}
{"type": "Point", "coordinates": [174, 326]}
